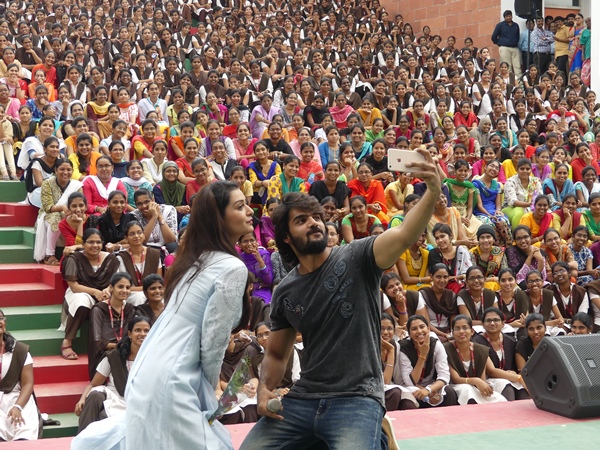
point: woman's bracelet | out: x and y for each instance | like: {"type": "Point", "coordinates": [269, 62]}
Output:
{"type": "Point", "coordinates": [19, 407]}
{"type": "Point", "coordinates": [389, 365]}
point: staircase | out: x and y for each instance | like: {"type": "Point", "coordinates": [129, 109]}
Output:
{"type": "Point", "coordinates": [31, 297]}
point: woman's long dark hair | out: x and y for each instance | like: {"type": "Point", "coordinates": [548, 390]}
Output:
{"type": "Point", "coordinates": [9, 340]}
{"type": "Point", "coordinates": [206, 232]}
{"type": "Point", "coordinates": [124, 345]}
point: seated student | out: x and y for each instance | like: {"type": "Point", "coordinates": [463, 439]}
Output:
{"type": "Point", "coordinates": [413, 265]}
{"type": "Point", "coordinates": [488, 257]}
{"type": "Point", "coordinates": [586, 272]}
{"type": "Point", "coordinates": [116, 151]}
{"type": "Point", "coordinates": [109, 319]}
{"type": "Point", "coordinates": [513, 302]}
{"type": "Point", "coordinates": [97, 188]}
{"type": "Point", "coordinates": [570, 298]}
{"type": "Point", "coordinates": [449, 252]}
{"type": "Point", "coordinates": [582, 324]}
{"type": "Point", "coordinates": [133, 181]}
{"type": "Point", "coordinates": [397, 302]}
{"type": "Point", "coordinates": [358, 223]}
{"type": "Point", "coordinates": [154, 291]}
{"type": "Point", "coordinates": [568, 216]}
{"type": "Point", "coordinates": [439, 301]}
{"type": "Point", "coordinates": [422, 366]}
{"type": "Point", "coordinates": [258, 262]}
{"type": "Point", "coordinates": [555, 250]}
{"type": "Point", "coordinates": [396, 397]}
{"type": "Point", "coordinates": [536, 330]}
{"type": "Point", "coordinates": [153, 166]}
{"type": "Point", "coordinates": [119, 134]}
{"type": "Point", "coordinates": [84, 159]}
{"type": "Point", "coordinates": [237, 175]}
{"type": "Point", "coordinates": [112, 223]}
{"type": "Point", "coordinates": [138, 261]}
{"type": "Point", "coordinates": [87, 274]}
{"type": "Point", "coordinates": [55, 194]}
{"type": "Point", "coordinates": [542, 301]}
{"type": "Point", "coordinates": [475, 298]}
{"type": "Point", "coordinates": [169, 191]}
{"type": "Point", "coordinates": [468, 363]}
{"type": "Point", "coordinates": [221, 163]}
{"type": "Point", "coordinates": [105, 395]}
{"type": "Point", "coordinates": [523, 257]}
{"type": "Point", "coordinates": [159, 221]}
{"type": "Point", "coordinates": [76, 222]}
{"type": "Point", "coordinates": [19, 419]}
{"type": "Point", "coordinates": [502, 356]}
{"type": "Point", "coordinates": [201, 171]}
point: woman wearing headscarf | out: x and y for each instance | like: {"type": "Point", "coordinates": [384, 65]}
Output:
{"type": "Point", "coordinates": [169, 191]}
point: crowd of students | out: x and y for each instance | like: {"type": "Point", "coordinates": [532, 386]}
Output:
{"type": "Point", "coordinates": [116, 114]}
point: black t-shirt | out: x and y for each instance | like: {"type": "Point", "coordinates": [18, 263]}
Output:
{"type": "Point", "coordinates": [337, 310]}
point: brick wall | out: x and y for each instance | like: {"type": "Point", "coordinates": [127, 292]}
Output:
{"type": "Point", "coordinates": [460, 18]}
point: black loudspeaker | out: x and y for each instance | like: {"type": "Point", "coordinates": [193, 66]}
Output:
{"type": "Point", "coordinates": [563, 375]}
{"type": "Point", "coordinates": [526, 9]}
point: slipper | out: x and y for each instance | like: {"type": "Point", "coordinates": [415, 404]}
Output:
{"type": "Point", "coordinates": [51, 261]}
{"type": "Point", "coordinates": [69, 356]}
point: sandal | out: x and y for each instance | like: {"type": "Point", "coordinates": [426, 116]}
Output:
{"type": "Point", "coordinates": [51, 261]}
{"type": "Point", "coordinates": [69, 356]}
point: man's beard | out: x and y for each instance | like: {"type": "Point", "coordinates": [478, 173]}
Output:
{"type": "Point", "coordinates": [307, 246]}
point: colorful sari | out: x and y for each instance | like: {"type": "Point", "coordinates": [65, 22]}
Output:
{"type": "Point", "coordinates": [460, 200]}
{"type": "Point", "coordinates": [374, 193]}
{"type": "Point", "coordinates": [278, 186]}
{"type": "Point", "coordinates": [490, 266]}
{"type": "Point", "coordinates": [550, 189]}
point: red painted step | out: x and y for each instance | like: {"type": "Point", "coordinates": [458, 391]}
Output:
{"type": "Point", "coordinates": [17, 215]}
{"type": "Point", "coordinates": [57, 398]}
{"type": "Point", "coordinates": [30, 285]}
{"type": "Point", "coordinates": [56, 369]}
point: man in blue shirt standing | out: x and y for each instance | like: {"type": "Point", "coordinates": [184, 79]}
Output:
{"type": "Point", "coordinates": [506, 37]}
{"type": "Point", "coordinates": [525, 41]}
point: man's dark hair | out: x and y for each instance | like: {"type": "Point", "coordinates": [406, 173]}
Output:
{"type": "Point", "coordinates": [281, 219]}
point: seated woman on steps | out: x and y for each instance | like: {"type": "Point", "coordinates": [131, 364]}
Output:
{"type": "Point", "coordinates": [55, 194]}
{"type": "Point", "coordinates": [105, 395]}
{"type": "Point", "coordinates": [154, 290]}
{"type": "Point", "coordinates": [138, 261]}
{"type": "Point", "coordinates": [87, 273]}
{"type": "Point", "coordinates": [75, 223]}
{"type": "Point", "coordinates": [18, 411]}
{"type": "Point", "coordinates": [108, 320]}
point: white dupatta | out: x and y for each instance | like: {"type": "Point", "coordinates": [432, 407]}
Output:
{"type": "Point", "coordinates": [104, 190]}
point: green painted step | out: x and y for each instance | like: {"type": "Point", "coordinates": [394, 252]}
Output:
{"type": "Point", "coordinates": [46, 342]}
{"type": "Point", "coordinates": [67, 428]}
{"type": "Point", "coordinates": [16, 245]}
{"type": "Point", "coordinates": [32, 317]}
{"type": "Point", "coordinates": [12, 191]}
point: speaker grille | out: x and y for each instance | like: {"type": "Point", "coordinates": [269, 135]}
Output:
{"type": "Point", "coordinates": [578, 352]}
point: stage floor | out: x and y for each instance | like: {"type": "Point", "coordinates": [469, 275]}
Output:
{"type": "Point", "coordinates": [474, 426]}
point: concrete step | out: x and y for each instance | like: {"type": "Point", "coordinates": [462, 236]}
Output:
{"type": "Point", "coordinates": [16, 245]}
{"type": "Point", "coordinates": [12, 191]}
{"type": "Point", "coordinates": [46, 342]}
{"type": "Point", "coordinates": [56, 398]}
{"type": "Point", "coordinates": [56, 369]}
{"type": "Point", "coordinates": [67, 428]}
{"type": "Point", "coordinates": [17, 215]}
{"type": "Point", "coordinates": [31, 317]}
{"type": "Point", "coordinates": [30, 285]}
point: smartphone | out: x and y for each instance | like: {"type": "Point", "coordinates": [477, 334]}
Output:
{"type": "Point", "coordinates": [397, 159]}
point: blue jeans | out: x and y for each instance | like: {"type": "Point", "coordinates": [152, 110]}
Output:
{"type": "Point", "coordinates": [336, 424]}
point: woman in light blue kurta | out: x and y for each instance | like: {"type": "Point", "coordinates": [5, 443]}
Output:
{"type": "Point", "coordinates": [171, 386]}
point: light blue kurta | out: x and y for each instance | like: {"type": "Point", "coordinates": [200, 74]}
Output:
{"type": "Point", "coordinates": [170, 389]}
